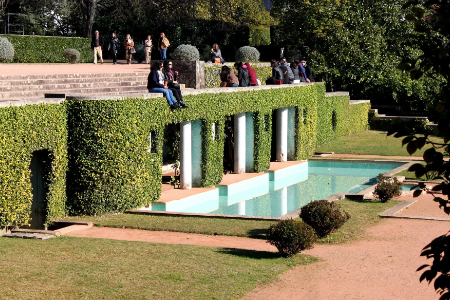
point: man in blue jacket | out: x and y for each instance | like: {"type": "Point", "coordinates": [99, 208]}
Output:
{"type": "Point", "coordinates": [309, 73]}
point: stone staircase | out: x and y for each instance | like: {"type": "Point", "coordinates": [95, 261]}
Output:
{"type": "Point", "coordinates": [15, 87]}
{"type": "Point", "coordinates": [403, 118]}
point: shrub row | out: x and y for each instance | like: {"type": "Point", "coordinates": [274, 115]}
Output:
{"type": "Point", "coordinates": [112, 149]}
{"type": "Point", "coordinates": [47, 49]}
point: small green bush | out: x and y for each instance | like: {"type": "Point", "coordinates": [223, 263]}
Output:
{"type": "Point", "coordinates": [247, 54]}
{"type": "Point", "coordinates": [387, 188]}
{"type": "Point", "coordinates": [72, 55]}
{"type": "Point", "coordinates": [140, 53]}
{"type": "Point", "coordinates": [324, 216]}
{"type": "Point", "coordinates": [6, 50]}
{"type": "Point", "coordinates": [291, 236]}
{"type": "Point", "coordinates": [186, 53]}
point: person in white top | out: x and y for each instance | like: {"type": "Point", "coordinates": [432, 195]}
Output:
{"type": "Point", "coordinates": [148, 49]}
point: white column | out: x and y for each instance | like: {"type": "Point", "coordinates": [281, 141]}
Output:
{"type": "Point", "coordinates": [284, 201]}
{"type": "Point", "coordinates": [239, 143]}
{"type": "Point", "coordinates": [241, 208]}
{"type": "Point", "coordinates": [282, 134]}
{"type": "Point", "coordinates": [185, 156]}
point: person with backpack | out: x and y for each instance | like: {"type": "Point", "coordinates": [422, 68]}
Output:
{"type": "Point", "coordinates": [244, 79]}
{"type": "Point", "coordinates": [287, 71]}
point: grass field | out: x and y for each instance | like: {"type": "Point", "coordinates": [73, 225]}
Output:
{"type": "Point", "coordinates": [78, 268]}
{"type": "Point", "coordinates": [364, 214]}
{"type": "Point", "coordinates": [370, 143]}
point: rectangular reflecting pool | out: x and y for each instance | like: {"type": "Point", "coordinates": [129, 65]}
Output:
{"type": "Point", "coordinates": [290, 189]}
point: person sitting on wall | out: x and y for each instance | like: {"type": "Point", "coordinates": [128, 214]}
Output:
{"type": "Point", "coordinates": [215, 55]}
{"type": "Point", "coordinates": [287, 72]}
{"type": "Point", "coordinates": [228, 78]}
{"type": "Point", "coordinates": [244, 79]}
{"type": "Point", "coordinates": [156, 84]}
{"type": "Point", "coordinates": [277, 73]}
{"type": "Point", "coordinates": [308, 72]}
{"type": "Point", "coordinates": [301, 72]}
{"type": "Point", "coordinates": [170, 77]}
{"type": "Point", "coordinates": [252, 75]}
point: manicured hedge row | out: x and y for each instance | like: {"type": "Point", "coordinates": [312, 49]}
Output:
{"type": "Point", "coordinates": [110, 168]}
{"type": "Point", "coordinates": [212, 75]}
{"type": "Point", "coordinates": [47, 49]}
{"type": "Point", "coordinates": [338, 118]}
{"type": "Point", "coordinates": [24, 130]}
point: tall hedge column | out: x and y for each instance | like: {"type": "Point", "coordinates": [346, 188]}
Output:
{"type": "Point", "coordinates": [282, 134]}
{"type": "Point", "coordinates": [239, 143]}
{"type": "Point", "coordinates": [185, 156]}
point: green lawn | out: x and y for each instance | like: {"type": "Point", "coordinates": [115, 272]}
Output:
{"type": "Point", "coordinates": [370, 143]}
{"type": "Point", "coordinates": [364, 214]}
{"type": "Point", "coordinates": [79, 268]}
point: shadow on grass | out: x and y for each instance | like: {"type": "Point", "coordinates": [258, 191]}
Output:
{"type": "Point", "coordinates": [253, 254]}
{"type": "Point", "coordinates": [258, 233]}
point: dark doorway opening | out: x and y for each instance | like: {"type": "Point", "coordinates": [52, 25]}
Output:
{"type": "Point", "coordinates": [228, 149]}
{"type": "Point", "coordinates": [40, 167]}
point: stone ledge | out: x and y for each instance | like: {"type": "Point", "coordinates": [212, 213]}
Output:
{"type": "Point", "coordinates": [358, 101]}
{"type": "Point", "coordinates": [8, 103]}
{"type": "Point", "coordinates": [334, 94]}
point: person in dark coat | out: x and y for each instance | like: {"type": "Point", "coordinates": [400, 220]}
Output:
{"type": "Point", "coordinates": [156, 84]}
{"type": "Point", "coordinates": [96, 46]}
{"type": "Point", "coordinates": [170, 77]}
{"type": "Point", "coordinates": [277, 73]}
{"type": "Point", "coordinates": [252, 75]}
{"type": "Point", "coordinates": [309, 73]}
{"type": "Point", "coordinates": [244, 79]}
{"type": "Point", "coordinates": [113, 47]}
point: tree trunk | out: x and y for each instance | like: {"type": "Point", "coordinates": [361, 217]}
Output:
{"type": "Point", "coordinates": [88, 8]}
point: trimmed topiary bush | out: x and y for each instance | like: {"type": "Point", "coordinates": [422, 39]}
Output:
{"type": "Point", "coordinates": [387, 188]}
{"type": "Point", "coordinates": [186, 53]}
{"type": "Point", "coordinates": [72, 55]}
{"type": "Point", "coordinates": [247, 54]}
{"type": "Point", "coordinates": [324, 216]}
{"type": "Point", "coordinates": [291, 236]}
{"type": "Point", "coordinates": [6, 50]}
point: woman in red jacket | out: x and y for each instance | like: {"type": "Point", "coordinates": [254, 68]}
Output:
{"type": "Point", "coordinates": [252, 75]}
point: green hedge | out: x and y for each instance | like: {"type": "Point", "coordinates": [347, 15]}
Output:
{"type": "Point", "coordinates": [349, 118]}
{"type": "Point", "coordinates": [112, 149]}
{"type": "Point", "coordinates": [47, 49]}
{"type": "Point", "coordinates": [212, 75]}
{"type": "Point", "coordinates": [24, 130]}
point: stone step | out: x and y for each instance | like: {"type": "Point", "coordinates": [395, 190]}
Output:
{"type": "Point", "coordinates": [87, 91]}
{"type": "Point", "coordinates": [79, 75]}
{"type": "Point", "coordinates": [23, 235]}
{"type": "Point", "coordinates": [15, 83]}
{"type": "Point", "coordinates": [65, 86]}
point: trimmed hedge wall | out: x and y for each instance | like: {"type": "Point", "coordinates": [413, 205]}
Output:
{"type": "Point", "coordinates": [112, 149]}
{"type": "Point", "coordinates": [338, 118]}
{"type": "Point", "coordinates": [47, 49]}
{"type": "Point", "coordinates": [24, 130]}
{"type": "Point", "coordinates": [212, 75]}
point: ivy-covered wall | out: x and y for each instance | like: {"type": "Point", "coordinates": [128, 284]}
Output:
{"type": "Point", "coordinates": [47, 49]}
{"type": "Point", "coordinates": [336, 117]}
{"type": "Point", "coordinates": [24, 130]}
{"type": "Point", "coordinates": [112, 149]}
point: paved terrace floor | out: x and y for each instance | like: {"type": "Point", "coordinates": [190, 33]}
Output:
{"type": "Point", "coordinates": [107, 67]}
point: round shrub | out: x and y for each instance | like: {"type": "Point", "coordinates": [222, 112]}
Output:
{"type": "Point", "coordinates": [324, 216]}
{"type": "Point", "coordinates": [186, 53]}
{"type": "Point", "coordinates": [247, 54]}
{"type": "Point", "coordinates": [387, 188]}
{"type": "Point", "coordinates": [6, 50]}
{"type": "Point", "coordinates": [72, 55]}
{"type": "Point", "coordinates": [291, 236]}
{"type": "Point", "coordinates": [140, 53]}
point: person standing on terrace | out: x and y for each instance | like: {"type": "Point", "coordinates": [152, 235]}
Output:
{"type": "Point", "coordinates": [163, 44]}
{"type": "Point", "coordinates": [96, 46]}
{"type": "Point", "coordinates": [129, 45]}
{"type": "Point", "coordinates": [148, 49]}
{"type": "Point", "coordinates": [113, 47]}
{"type": "Point", "coordinates": [156, 84]}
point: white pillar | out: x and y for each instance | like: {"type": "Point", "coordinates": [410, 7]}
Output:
{"type": "Point", "coordinates": [241, 208]}
{"type": "Point", "coordinates": [185, 156]}
{"type": "Point", "coordinates": [282, 133]}
{"type": "Point", "coordinates": [284, 201]}
{"type": "Point", "coordinates": [239, 143]}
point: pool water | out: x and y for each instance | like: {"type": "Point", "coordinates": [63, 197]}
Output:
{"type": "Point", "coordinates": [325, 178]}
{"type": "Point", "coordinates": [278, 193]}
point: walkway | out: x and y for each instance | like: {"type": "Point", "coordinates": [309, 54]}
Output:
{"type": "Point", "coordinates": [381, 265]}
